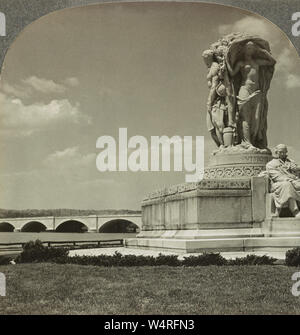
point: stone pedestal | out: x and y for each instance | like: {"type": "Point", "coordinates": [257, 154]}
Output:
{"type": "Point", "coordinates": [182, 216]}
{"type": "Point", "coordinates": [236, 162]}
{"type": "Point", "coordinates": [227, 211]}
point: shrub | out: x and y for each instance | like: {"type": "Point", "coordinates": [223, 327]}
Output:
{"type": "Point", "coordinates": [171, 260]}
{"type": "Point", "coordinates": [292, 257]}
{"type": "Point", "coordinates": [117, 259]}
{"type": "Point", "coordinates": [133, 260]}
{"type": "Point", "coordinates": [253, 260]}
{"type": "Point", "coordinates": [35, 251]}
{"type": "Point", "coordinates": [204, 259]}
{"type": "Point", "coordinates": [5, 260]}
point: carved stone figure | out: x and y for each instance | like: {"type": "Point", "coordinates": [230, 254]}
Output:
{"type": "Point", "coordinates": [215, 102]}
{"type": "Point", "coordinates": [240, 71]}
{"type": "Point", "coordinates": [284, 175]}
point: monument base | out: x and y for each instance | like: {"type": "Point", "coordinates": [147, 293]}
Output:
{"type": "Point", "coordinates": [275, 234]}
{"type": "Point", "coordinates": [220, 214]}
{"type": "Point", "coordinates": [217, 245]}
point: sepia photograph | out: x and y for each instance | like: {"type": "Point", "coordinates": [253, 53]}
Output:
{"type": "Point", "coordinates": [150, 164]}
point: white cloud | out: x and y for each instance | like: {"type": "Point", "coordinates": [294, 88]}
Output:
{"type": "Point", "coordinates": [44, 85]}
{"type": "Point", "coordinates": [70, 158]}
{"type": "Point", "coordinates": [285, 56]}
{"type": "Point", "coordinates": [16, 91]}
{"type": "Point", "coordinates": [72, 81]}
{"type": "Point", "coordinates": [22, 119]}
{"type": "Point", "coordinates": [250, 25]}
{"type": "Point", "coordinates": [286, 67]}
{"type": "Point", "coordinates": [285, 60]}
{"type": "Point", "coordinates": [293, 81]}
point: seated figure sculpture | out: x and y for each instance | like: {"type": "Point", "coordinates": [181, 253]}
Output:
{"type": "Point", "coordinates": [284, 175]}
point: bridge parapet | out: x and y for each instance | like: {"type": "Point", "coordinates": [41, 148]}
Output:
{"type": "Point", "coordinates": [92, 222]}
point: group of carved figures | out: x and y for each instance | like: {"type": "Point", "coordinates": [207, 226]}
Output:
{"type": "Point", "coordinates": [240, 69]}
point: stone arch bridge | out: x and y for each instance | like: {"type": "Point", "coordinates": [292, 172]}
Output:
{"type": "Point", "coordinates": [90, 223]}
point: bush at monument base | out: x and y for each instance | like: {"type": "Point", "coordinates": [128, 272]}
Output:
{"type": "Point", "coordinates": [292, 257]}
{"type": "Point", "coordinates": [36, 252]}
{"type": "Point", "coordinates": [5, 260]}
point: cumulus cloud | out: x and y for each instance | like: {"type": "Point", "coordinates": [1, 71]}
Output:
{"type": "Point", "coordinates": [32, 84]}
{"type": "Point", "coordinates": [250, 25]}
{"type": "Point", "coordinates": [285, 60]}
{"type": "Point", "coordinates": [24, 119]}
{"type": "Point", "coordinates": [44, 85]}
{"type": "Point", "coordinates": [293, 81]}
{"type": "Point", "coordinates": [285, 55]}
{"type": "Point", "coordinates": [70, 157]}
{"type": "Point", "coordinates": [16, 91]}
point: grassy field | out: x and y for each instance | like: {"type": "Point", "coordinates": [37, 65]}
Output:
{"type": "Point", "coordinates": [74, 289]}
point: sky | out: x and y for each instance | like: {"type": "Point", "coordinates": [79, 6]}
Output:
{"type": "Point", "coordinates": [81, 73]}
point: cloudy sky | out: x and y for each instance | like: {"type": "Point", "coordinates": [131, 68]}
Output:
{"type": "Point", "coordinates": [81, 73]}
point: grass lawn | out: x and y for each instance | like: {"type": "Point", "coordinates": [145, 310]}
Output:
{"type": "Point", "coordinates": [75, 289]}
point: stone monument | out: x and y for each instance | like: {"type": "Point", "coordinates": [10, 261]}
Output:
{"type": "Point", "coordinates": [240, 69]}
{"type": "Point", "coordinates": [230, 208]}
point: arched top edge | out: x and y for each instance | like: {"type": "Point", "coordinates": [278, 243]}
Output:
{"type": "Point", "coordinates": [33, 17]}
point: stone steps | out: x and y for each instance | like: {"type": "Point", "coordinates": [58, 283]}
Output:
{"type": "Point", "coordinates": [275, 235]}
{"type": "Point", "coordinates": [281, 227]}
{"type": "Point", "coordinates": [216, 244]}
{"type": "Point", "coordinates": [203, 233]}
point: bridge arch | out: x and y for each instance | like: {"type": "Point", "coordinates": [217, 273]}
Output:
{"type": "Point", "coordinates": [33, 227]}
{"type": "Point", "coordinates": [6, 227]}
{"type": "Point", "coordinates": [119, 226]}
{"type": "Point", "coordinates": [71, 226]}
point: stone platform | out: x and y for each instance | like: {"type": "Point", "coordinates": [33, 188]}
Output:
{"type": "Point", "coordinates": [218, 215]}
{"type": "Point", "coordinates": [231, 209]}
{"type": "Point", "coordinates": [245, 244]}
{"type": "Point", "coordinates": [278, 234]}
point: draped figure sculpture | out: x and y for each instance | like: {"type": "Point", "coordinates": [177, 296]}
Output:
{"type": "Point", "coordinates": [285, 177]}
{"type": "Point", "coordinates": [240, 69]}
